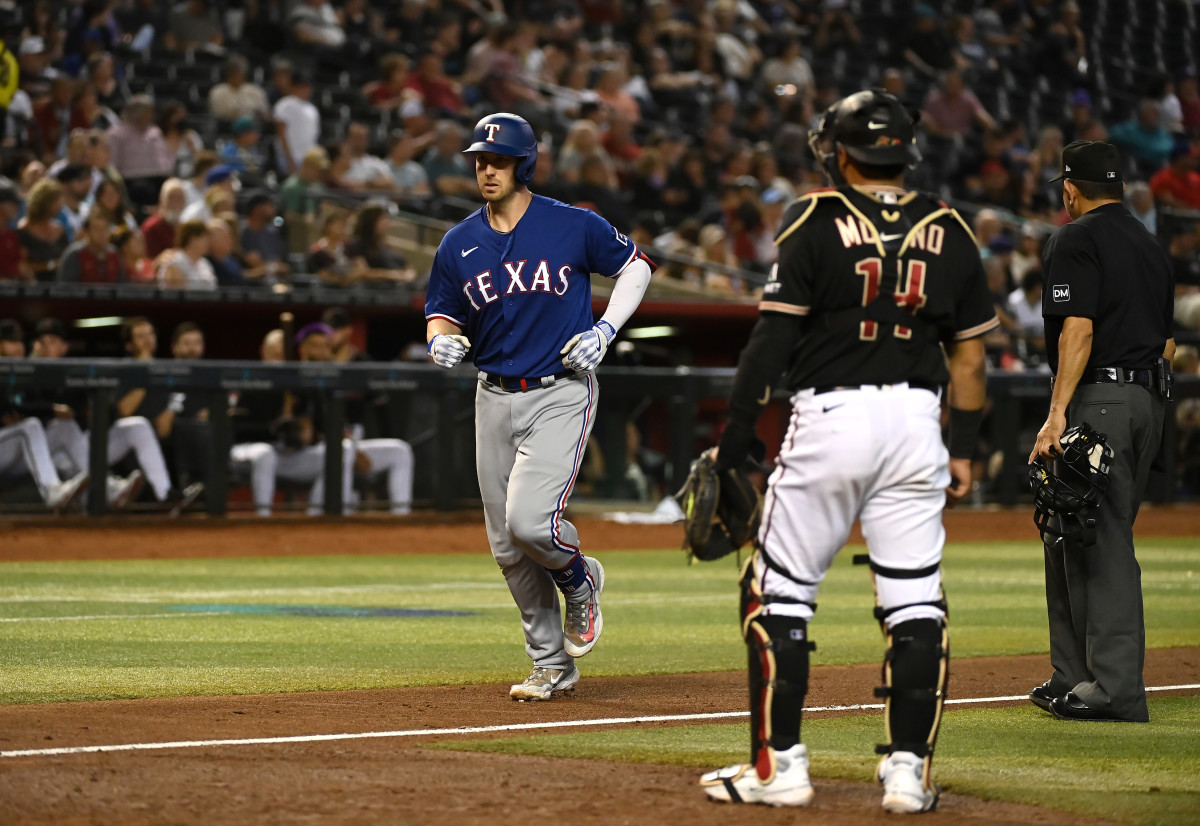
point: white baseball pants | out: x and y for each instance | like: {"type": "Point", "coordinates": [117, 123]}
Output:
{"type": "Point", "coordinates": [128, 434]}
{"type": "Point", "coordinates": [23, 445]}
{"type": "Point", "coordinates": [263, 461]}
{"type": "Point", "coordinates": [395, 458]}
{"type": "Point", "coordinates": [874, 454]}
{"type": "Point", "coordinates": [308, 465]}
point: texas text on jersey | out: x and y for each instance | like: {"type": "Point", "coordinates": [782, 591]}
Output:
{"type": "Point", "coordinates": [884, 275]}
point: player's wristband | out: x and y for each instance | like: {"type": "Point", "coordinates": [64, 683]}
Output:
{"type": "Point", "coordinates": [964, 432]}
{"type": "Point", "coordinates": [429, 347]}
{"type": "Point", "coordinates": [607, 330]}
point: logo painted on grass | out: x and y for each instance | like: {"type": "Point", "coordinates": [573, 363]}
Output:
{"type": "Point", "coordinates": [338, 611]}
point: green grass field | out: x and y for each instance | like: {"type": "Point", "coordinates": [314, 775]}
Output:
{"type": "Point", "coordinates": [99, 630]}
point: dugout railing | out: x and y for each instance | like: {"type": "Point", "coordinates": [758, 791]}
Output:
{"type": "Point", "coordinates": [435, 407]}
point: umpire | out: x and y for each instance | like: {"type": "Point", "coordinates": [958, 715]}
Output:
{"type": "Point", "coordinates": [1107, 302]}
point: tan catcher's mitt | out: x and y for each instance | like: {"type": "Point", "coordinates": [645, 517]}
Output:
{"type": "Point", "coordinates": [721, 509]}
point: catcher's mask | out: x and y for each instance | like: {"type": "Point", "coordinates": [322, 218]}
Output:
{"type": "Point", "coordinates": [1078, 483]}
{"type": "Point", "coordinates": [873, 126]}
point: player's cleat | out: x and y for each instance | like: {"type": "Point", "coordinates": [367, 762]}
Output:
{"type": "Point", "coordinates": [584, 622]}
{"type": "Point", "coordinates": [902, 774]}
{"type": "Point", "coordinates": [63, 494]}
{"type": "Point", "coordinates": [123, 491]}
{"type": "Point", "coordinates": [740, 784]}
{"type": "Point", "coordinates": [178, 501]}
{"type": "Point", "coordinates": [544, 683]}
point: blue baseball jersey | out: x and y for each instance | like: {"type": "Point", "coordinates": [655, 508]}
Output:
{"type": "Point", "coordinates": [520, 296]}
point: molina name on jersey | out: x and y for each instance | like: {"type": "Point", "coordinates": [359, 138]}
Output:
{"type": "Point", "coordinates": [520, 296]}
{"type": "Point", "coordinates": [842, 249]}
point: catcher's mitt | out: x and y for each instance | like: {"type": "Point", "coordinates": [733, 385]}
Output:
{"type": "Point", "coordinates": [721, 509]}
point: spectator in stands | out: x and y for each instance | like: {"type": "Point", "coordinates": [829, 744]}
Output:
{"type": "Point", "coordinates": [1045, 163]}
{"type": "Point", "coordinates": [390, 91]}
{"type": "Point", "coordinates": [186, 267]}
{"type": "Point", "coordinates": [297, 123]}
{"type": "Point", "coordinates": [447, 168]}
{"type": "Point", "coordinates": [10, 239]}
{"type": "Point", "coordinates": [1177, 185]}
{"type": "Point", "coordinates": [35, 69]}
{"type": "Point", "coordinates": [313, 24]}
{"type": "Point", "coordinates": [225, 264]}
{"type": "Point", "coordinates": [1140, 201]}
{"type": "Point", "coordinates": [1189, 102]}
{"type": "Point", "coordinates": [76, 180]}
{"type": "Point", "coordinates": [1144, 138]}
{"type": "Point", "coordinates": [1082, 117]}
{"type": "Point", "coordinates": [328, 258]}
{"type": "Point", "coordinates": [139, 151]}
{"type": "Point", "coordinates": [301, 194]}
{"type": "Point", "coordinates": [159, 407]}
{"type": "Point", "coordinates": [131, 246]}
{"type": "Point", "coordinates": [110, 199]}
{"type": "Point", "coordinates": [997, 36]}
{"type": "Point", "coordinates": [220, 180]}
{"type": "Point", "coordinates": [1184, 250]}
{"type": "Point", "coordinates": [236, 97]}
{"type": "Point", "coordinates": [43, 238]}
{"type": "Point", "coordinates": [970, 55]}
{"type": "Point", "coordinates": [182, 142]}
{"type": "Point", "coordinates": [1025, 308]}
{"type": "Point", "coordinates": [341, 344]}
{"type": "Point", "coordinates": [161, 227]}
{"type": "Point", "coordinates": [508, 85]}
{"type": "Point", "coordinates": [242, 153]}
{"type": "Point", "coordinates": [788, 73]}
{"type": "Point", "coordinates": [583, 142]}
{"type": "Point", "coordinates": [952, 111]}
{"type": "Point", "coordinates": [1161, 90]}
{"type": "Point", "coordinates": [408, 176]}
{"type": "Point", "coordinates": [194, 186]}
{"type": "Point", "coordinates": [12, 339]}
{"type": "Point", "coordinates": [92, 259]}
{"type": "Point", "coordinates": [263, 245]}
{"type": "Point", "coordinates": [110, 92]}
{"type": "Point", "coordinates": [365, 171]}
{"type": "Point", "coordinates": [78, 152]}
{"type": "Point", "coordinates": [52, 119]}
{"type": "Point", "coordinates": [1028, 254]}
{"type": "Point", "coordinates": [987, 226]}
{"type": "Point", "coordinates": [370, 244]}
{"type": "Point", "coordinates": [87, 112]}
{"type": "Point", "coordinates": [595, 191]}
{"type": "Point", "coordinates": [440, 95]}
{"type": "Point", "coordinates": [1061, 50]}
{"type": "Point", "coordinates": [192, 25]}
{"type": "Point", "coordinates": [929, 49]}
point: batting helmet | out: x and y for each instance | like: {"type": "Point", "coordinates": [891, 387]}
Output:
{"type": "Point", "coordinates": [1078, 482]}
{"type": "Point", "coordinates": [874, 127]}
{"type": "Point", "coordinates": [507, 134]}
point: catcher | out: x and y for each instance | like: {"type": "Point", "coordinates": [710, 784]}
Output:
{"type": "Point", "coordinates": [875, 310]}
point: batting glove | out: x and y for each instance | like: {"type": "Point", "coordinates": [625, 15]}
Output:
{"type": "Point", "coordinates": [448, 351]}
{"type": "Point", "coordinates": [584, 352]}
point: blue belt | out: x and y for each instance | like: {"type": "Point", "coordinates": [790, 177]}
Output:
{"type": "Point", "coordinates": [518, 385]}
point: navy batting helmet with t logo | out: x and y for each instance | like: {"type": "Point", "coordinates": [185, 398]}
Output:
{"type": "Point", "coordinates": [507, 134]}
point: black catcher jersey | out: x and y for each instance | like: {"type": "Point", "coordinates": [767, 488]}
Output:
{"type": "Point", "coordinates": [884, 277]}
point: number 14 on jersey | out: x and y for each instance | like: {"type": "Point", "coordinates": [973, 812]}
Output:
{"type": "Point", "coordinates": [909, 295]}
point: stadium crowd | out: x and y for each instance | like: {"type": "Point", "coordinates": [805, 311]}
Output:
{"type": "Point", "coordinates": [208, 143]}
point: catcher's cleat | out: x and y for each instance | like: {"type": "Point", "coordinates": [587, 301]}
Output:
{"type": "Point", "coordinates": [741, 784]}
{"type": "Point", "coordinates": [584, 622]}
{"type": "Point", "coordinates": [544, 683]}
{"type": "Point", "coordinates": [904, 788]}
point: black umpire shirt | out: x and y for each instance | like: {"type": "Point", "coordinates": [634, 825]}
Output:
{"type": "Point", "coordinates": [1106, 266]}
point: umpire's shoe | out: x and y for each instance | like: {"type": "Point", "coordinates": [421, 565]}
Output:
{"type": "Point", "coordinates": [584, 622]}
{"type": "Point", "coordinates": [740, 784]}
{"type": "Point", "coordinates": [905, 790]}
{"type": "Point", "coordinates": [544, 683]}
{"type": "Point", "coordinates": [1044, 695]}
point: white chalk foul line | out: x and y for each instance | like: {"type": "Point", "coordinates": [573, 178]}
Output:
{"type": "Point", "coordinates": [433, 732]}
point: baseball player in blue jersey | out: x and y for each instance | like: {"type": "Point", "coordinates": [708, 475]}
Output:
{"type": "Point", "coordinates": [511, 284]}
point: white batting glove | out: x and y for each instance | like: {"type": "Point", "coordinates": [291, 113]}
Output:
{"type": "Point", "coordinates": [448, 351]}
{"type": "Point", "coordinates": [584, 352]}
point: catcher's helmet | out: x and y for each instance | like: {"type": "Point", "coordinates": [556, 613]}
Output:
{"type": "Point", "coordinates": [1079, 481]}
{"type": "Point", "coordinates": [873, 126]}
{"type": "Point", "coordinates": [507, 134]}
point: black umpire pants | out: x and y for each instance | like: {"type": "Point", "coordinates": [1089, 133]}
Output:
{"type": "Point", "coordinates": [1094, 593]}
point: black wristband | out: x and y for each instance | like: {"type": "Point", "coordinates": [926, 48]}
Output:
{"type": "Point", "coordinates": [964, 432]}
{"type": "Point", "coordinates": [735, 444]}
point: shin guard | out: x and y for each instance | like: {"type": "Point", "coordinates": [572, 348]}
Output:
{"type": "Point", "coordinates": [915, 675]}
{"type": "Point", "coordinates": [778, 660]}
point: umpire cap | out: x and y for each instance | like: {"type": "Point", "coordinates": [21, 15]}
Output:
{"type": "Point", "coordinates": [873, 126]}
{"type": "Point", "coordinates": [507, 134]}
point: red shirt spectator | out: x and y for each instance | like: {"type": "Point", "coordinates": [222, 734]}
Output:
{"type": "Point", "coordinates": [10, 253]}
{"type": "Point", "coordinates": [160, 234]}
{"type": "Point", "coordinates": [438, 92]}
{"type": "Point", "coordinates": [1178, 184]}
